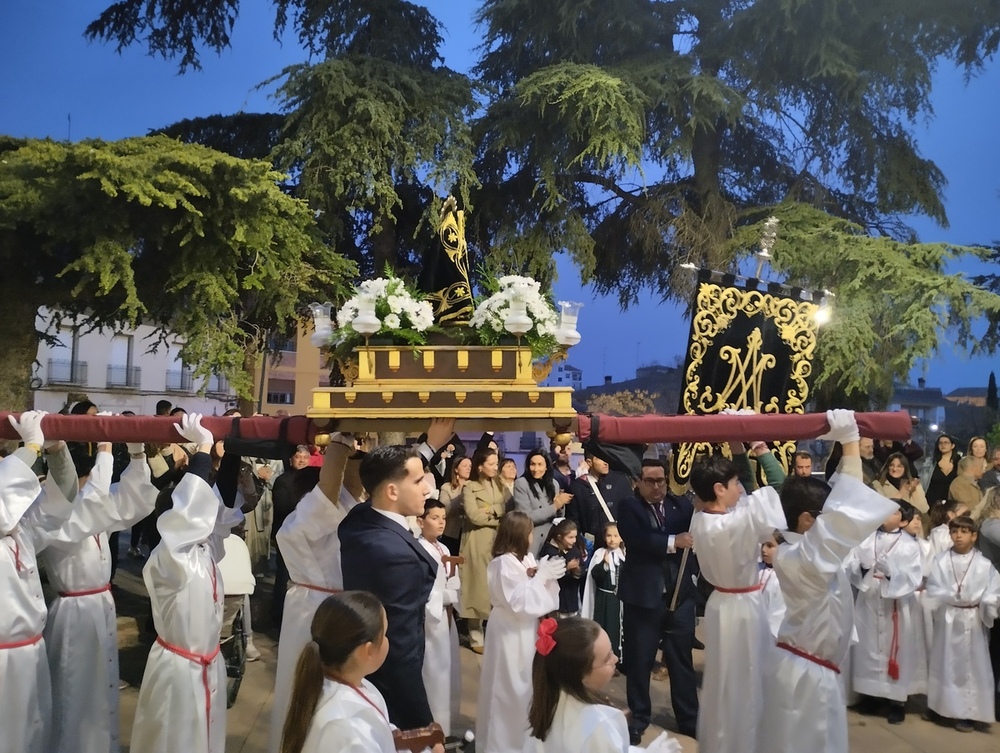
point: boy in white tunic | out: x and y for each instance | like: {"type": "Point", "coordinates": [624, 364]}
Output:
{"type": "Point", "coordinates": [26, 512]}
{"type": "Point", "coordinates": [182, 703]}
{"type": "Point", "coordinates": [813, 639]}
{"type": "Point", "coordinates": [442, 673]}
{"type": "Point", "coordinates": [81, 635]}
{"type": "Point", "coordinates": [887, 570]}
{"type": "Point", "coordinates": [963, 589]}
{"type": "Point", "coordinates": [728, 530]}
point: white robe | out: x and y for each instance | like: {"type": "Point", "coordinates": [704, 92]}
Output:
{"type": "Point", "coordinates": [772, 600]}
{"type": "Point", "coordinates": [884, 609]}
{"type": "Point", "coordinates": [920, 645]}
{"type": "Point", "coordinates": [940, 539]}
{"type": "Point", "coordinates": [819, 620]}
{"type": "Point", "coordinates": [311, 549]}
{"type": "Point", "coordinates": [182, 703]}
{"type": "Point", "coordinates": [81, 635]}
{"type": "Point", "coordinates": [505, 682]}
{"type": "Point", "coordinates": [579, 727]}
{"type": "Point", "coordinates": [345, 722]}
{"type": "Point", "coordinates": [589, 589]}
{"type": "Point", "coordinates": [27, 512]}
{"type": "Point", "coordinates": [737, 637]}
{"type": "Point", "coordinates": [442, 672]}
{"type": "Point", "coordinates": [961, 683]}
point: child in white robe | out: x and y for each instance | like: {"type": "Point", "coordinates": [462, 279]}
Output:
{"type": "Point", "coordinates": [310, 547]}
{"type": "Point", "coordinates": [182, 702]}
{"type": "Point", "coordinates": [574, 662]}
{"type": "Point", "coordinates": [441, 673]}
{"type": "Point", "coordinates": [770, 594]}
{"type": "Point", "coordinates": [825, 525]}
{"type": "Point", "coordinates": [81, 634]}
{"type": "Point", "coordinates": [920, 645]}
{"type": "Point", "coordinates": [332, 706]}
{"type": "Point", "coordinates": [941, 515]}
{"type": "Point", "coordinates": [520, 593]}
{"type": "Point", "coordinates": [963, 589]}
{"type": "Point", "coordinates": [728, 530]}
{"type": "Point", "coordinates": [27, 512]}
{"type": "Point", "coordinates": [887, 570]}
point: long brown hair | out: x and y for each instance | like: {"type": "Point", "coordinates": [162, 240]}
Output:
{"type": "Point", "coordinates": [480, 456]}
{"type": "Point", "coordinates": [453, 476]}
{"type": "Point", "coordinates": [342, 622]}
{"type": "Point", "coordinates": [513, 535]}
{"type": "Point", "coordinates": [883, 475]}
{"type": "Point", "coordinates": [563, 669]}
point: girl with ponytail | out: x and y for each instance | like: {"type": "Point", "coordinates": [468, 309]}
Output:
{"type": "Point", "coordinates": [333, 708]}
{"type": "Point", "coordinates": [574, 661]}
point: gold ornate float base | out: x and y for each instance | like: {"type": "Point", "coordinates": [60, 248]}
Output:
{"type": "Point", "coordinates": [400, 388]}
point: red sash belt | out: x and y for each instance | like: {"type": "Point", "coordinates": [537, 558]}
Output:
{"type": "Point", "coordinates": [21, 644]}
{"type": "Point", "coordinates": [205, 660]}
{"type": "Point", "coordinates": [311, 587]}
{"type": "Point", "coordinates": [91, 592]}
{"type": "Point", "coordinates": [809, 657]}
{"type": "Point", "coordinates": [747, 590]}
{"type": "Point", "coordinates": [964, 606]}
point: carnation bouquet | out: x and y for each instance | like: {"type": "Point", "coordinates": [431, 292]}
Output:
{"type": "Point", "coordinates": [525, 296]}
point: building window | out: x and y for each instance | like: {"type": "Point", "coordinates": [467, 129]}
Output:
{"type": "Point", "coordinates": [121, 372]}
{"type": "Point", "coordinates": [280, 398]}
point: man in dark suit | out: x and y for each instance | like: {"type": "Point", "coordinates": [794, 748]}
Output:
{"type": "Point", "coordinates": [659, 599]}
{"type": "Point", "coordinates": [380, 554]}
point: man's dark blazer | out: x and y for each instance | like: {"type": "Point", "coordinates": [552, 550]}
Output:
{"type": "Point", "coordinates": [648, 571]}
{"type": "Point", "coordinates": [585, 510]}
{"type": "Point", "coordinates": [379, 555]}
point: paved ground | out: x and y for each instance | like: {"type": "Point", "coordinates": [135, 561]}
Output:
{"type": "Point", "coordinates": [248, 721]}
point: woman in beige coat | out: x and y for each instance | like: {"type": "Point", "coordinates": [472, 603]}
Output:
{"type": "Point", "coordinates": [484, 501]}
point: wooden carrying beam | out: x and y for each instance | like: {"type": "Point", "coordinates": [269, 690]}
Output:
{"type": "Point", "coordinates": [613, 429]}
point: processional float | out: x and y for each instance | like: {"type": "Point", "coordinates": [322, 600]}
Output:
{"type": "Point", "coordinates": [749, 348]}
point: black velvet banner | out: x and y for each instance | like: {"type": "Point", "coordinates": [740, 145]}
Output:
{"type": "Point", "coordinates": [748, 348]}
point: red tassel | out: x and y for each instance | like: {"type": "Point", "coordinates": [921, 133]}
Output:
{"type": "Point", "coordinates": [894, 646]}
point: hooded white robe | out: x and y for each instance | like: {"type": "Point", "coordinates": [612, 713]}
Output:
{"type": "Point", "coordinates": [81, 635]}
{"type": "Point", "coordinates": [310, 547]}
{"type": "Point", "coordinates": [738, 639]}
{"type": "Point", "coordinates": [884, 612]}
{"type": "Point", "coordinates": [27, 512]}
{"type": "Point", "coordinates": [960, 684]}
{"type": "Point", "coordinates": [442, 672]}
{"type": "Point", "coordinates": [804, 704]}
{"type": "Point", "coordinates": [505, 683]}
{"type": "Point", "coordinates": [182, 703]}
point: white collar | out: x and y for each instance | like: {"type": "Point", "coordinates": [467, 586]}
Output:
{"type": "Point", "coordinates": [394, 516]}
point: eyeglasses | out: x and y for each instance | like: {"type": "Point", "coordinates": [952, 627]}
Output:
{"type": "Point", "coordinates": [654, 481]}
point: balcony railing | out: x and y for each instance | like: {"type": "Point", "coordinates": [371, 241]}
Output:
{"type": "Point", "coordinates": [218, 385]}
{"type": "Point", "coordinates": [180, 381]}
{"type": "Point", "coordinates": [68, 372]}
{"type": "Point", "coordinates": [124, 376]}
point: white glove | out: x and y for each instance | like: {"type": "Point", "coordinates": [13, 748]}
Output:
{"type": "Point", "coordinates": [740, 412]}
{"type": "Point", "coordinates": [843, 426]}
{"type": "Point", "coordinates": [104, 413]}
{"type": "Point", "coordinates": [662, 744]}
{"type": "Point", "coordinates": [191, 429]}
{"type": "Point", "coordinates": [551, 568]}
{"type": "Point", "coordinates": [135, 448]}
{"type": "Point", "coordinates": [29, 427]}
{"type": "Point", "coordinates": [882, 568]}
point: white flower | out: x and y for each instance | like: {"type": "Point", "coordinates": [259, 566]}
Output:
{"type": "Point", "coordinates": [391, 321]}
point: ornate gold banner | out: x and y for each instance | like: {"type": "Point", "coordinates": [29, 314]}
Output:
{"type": "Point", "coordinates": [445, 272]}
{"type": "Point", "coordinates": [748, 349]}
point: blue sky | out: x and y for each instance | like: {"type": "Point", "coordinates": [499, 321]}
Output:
{"type": "Point", "coordinates": [52, 72]}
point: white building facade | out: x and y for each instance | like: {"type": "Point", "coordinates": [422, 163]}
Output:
{"type": "Point", "coordinates": [116, 371]}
